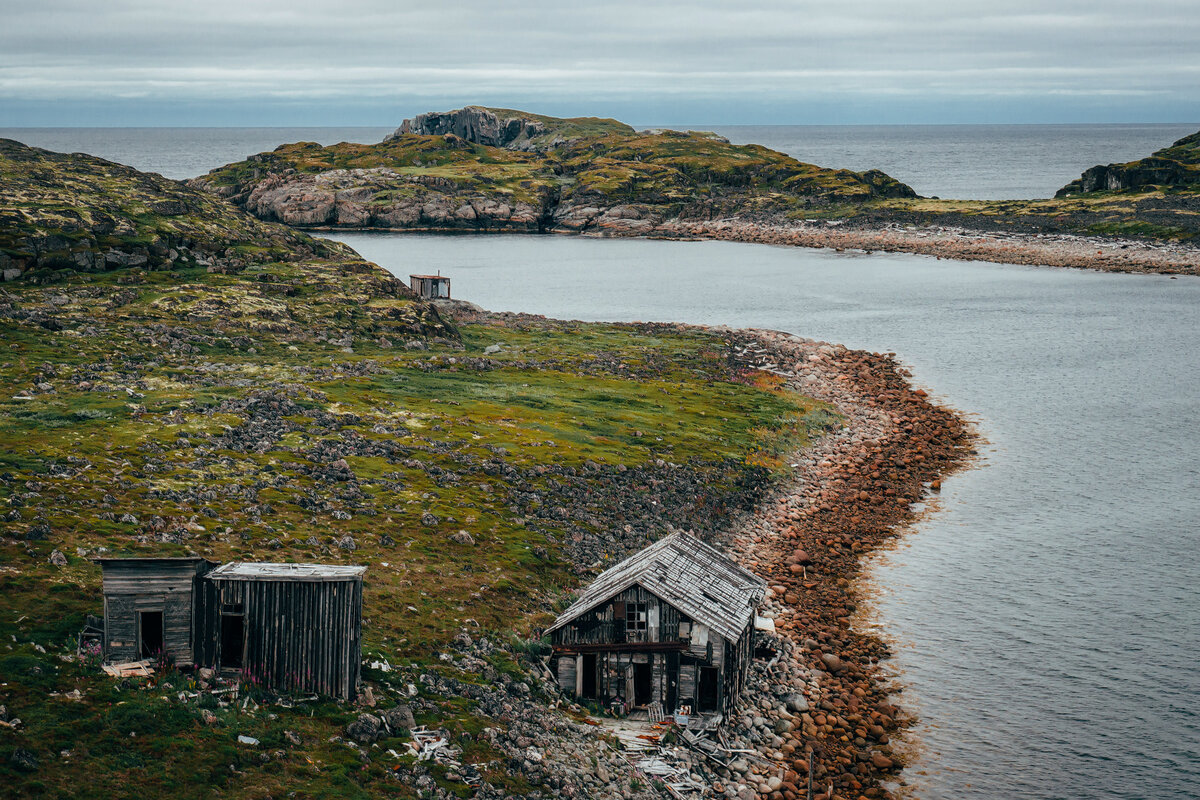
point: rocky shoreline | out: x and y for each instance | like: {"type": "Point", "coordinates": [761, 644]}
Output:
{"type": "Point", "coordinates": [852, 491]}
{"type": "Point", "coordinates": [1001, 247]}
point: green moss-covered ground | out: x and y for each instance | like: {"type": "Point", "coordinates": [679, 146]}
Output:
{"type": "Point", "coordinates": [302, 406]}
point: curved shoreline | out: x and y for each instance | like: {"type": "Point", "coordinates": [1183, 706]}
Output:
{"type": "Point", "coordinates": [1101, 254]}
{"type": "Point", "coordinates": [851, 493]}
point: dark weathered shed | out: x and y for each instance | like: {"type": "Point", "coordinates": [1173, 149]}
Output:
{"type": "Point", "coordinates": [292, 627]}
{"type": "Point", "coordinates": [148, 607]}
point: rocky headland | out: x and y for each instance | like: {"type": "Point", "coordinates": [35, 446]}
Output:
{"type": "Point", "coordinates": [496, 170]}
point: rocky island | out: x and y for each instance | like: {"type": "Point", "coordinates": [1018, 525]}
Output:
{"type": "Point", "coordinates": [494, 170]}
{"type": "Point", "coordinates": [182, 378]}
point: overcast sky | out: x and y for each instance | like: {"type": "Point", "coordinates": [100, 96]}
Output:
{"type": "Point", "coordinates": [374, 62]}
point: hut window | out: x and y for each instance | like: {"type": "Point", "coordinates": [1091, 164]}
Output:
{"type": "Point", "coordinates": [635, 616]}
{"type": "Point", "coordinates": [232, 608]}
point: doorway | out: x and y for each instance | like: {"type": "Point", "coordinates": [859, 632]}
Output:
{"type": "Point", "coordinates": [708, 694]}
{"type": "Point", "coordinates": [589, 676]}
{"type": "Point", "coordinates": [643, 684]}
{"type": "Point", "coordinates": [233, 630]}
{"type": "Point", "coordinates": [150, 634]}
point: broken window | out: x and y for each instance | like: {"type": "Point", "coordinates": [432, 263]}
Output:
{"type": "Point", "coordinates": [635, 616]}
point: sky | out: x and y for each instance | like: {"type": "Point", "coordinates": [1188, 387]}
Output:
{"type": "Point", "coordinates": [375, 62]}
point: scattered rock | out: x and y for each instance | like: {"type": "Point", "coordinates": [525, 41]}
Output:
{"type": "Point", "coordinates": [23, 760]}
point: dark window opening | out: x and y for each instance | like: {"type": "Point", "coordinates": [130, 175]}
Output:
{"type": "Point", "coordinates": [635, 616]}
{"type": "Point", "coordinates": [150, 634]}
{"type": "Point", "coordinates": [233, 628]}
{"type": "Point", "coordinates": [232, 608]}
{"type": "Point", "coordinates": [708, 694]}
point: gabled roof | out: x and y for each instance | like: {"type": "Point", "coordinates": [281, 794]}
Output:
{"type": "Point", "coordinates": [691, 575]}
{"type": "Point", "coordinates": [251, 571]}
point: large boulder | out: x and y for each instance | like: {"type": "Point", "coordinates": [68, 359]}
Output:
{"type": "Point", "coordinates": [399, 718]}
{"type": "Point", "coordinates": [366, 729]}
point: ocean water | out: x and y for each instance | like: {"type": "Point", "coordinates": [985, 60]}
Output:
{"type": "Point", "coordinates": [976, 162]}
{"type": "Point", "coordinates": [1046, 618]}
{"type": "Point", "coordinates": [181, 153]}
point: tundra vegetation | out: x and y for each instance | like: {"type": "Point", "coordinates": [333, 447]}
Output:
{"type": "Point", "coordinates": [178, 378]}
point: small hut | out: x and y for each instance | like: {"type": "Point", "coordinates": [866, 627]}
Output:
{"type": "Point", "coordinates": [149, 607]}
{"type": "Point", "coordinates": [289, 627]}
{"type": "Point", "coordinates": [672, 626]}
{"type": "Point", "coordinates": [430, 287]}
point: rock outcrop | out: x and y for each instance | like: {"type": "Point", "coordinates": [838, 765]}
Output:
{"type": "Point", "coordinates": [502, 127]}
{"type": "Point", "coordinates": [1177, 166]}
{"type": "Point", "coordinates": [474, 124]}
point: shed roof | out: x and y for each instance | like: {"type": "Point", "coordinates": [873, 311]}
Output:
{"type": "Point", "coordinates": [247, 571]}
{"type": "Point", "coordinates": [431, 277]}
{"type": "Point", "coordinates": [147, 559]}
{"type": "Point", "coordinates": [691, 575]}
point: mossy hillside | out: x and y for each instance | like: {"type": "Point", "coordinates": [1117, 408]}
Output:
{"type": "Point", "coordinates": [84, 213]}
{"type": "Point", "coordinates": [399, 165]}
{"type": "Point", "coordinates": [311, 410]}
{"type": "Point", "coordinates": [693, 165]}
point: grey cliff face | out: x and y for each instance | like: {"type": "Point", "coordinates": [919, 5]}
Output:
{"type": "Point", "coordinates": [475, 124]}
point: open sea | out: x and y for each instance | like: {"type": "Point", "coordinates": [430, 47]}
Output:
{"type": "Point", "coordinates": [1046, 614]}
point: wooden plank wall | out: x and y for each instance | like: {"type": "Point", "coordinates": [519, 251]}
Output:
{"type": "Point", "coordinates": [303, 636]}
{"type": "Point", "coordinates": [602, 625]}
{"type": "Point", "coordinates": [737, 659]}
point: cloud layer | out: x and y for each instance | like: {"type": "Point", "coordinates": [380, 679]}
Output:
{"type": "Point", "coordinates": [759, 61]}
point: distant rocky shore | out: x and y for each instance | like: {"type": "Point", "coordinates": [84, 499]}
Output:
{"type": "Point", "coordinates": [1002, 247]}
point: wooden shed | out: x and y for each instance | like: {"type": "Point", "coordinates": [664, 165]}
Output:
{"type": "Point", "coordinates": [290, 627]}
{"type": "Point", "coordinates": [149, 606]}
{"type": "Point", "coordinates": [672, 625]}
{"type": "Point", "coordinates": [430, 287]}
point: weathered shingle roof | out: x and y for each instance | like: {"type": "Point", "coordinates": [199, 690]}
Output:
{"type": "Point", "coordinates": [691, 575]}
{"type": "Point", "coordinates": [249, 571]}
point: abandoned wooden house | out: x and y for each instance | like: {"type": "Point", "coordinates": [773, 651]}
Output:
{"type": "Point", "coordinates": [288, 627]}
{"type": "Point", "coordinates": [672, 625]}
{"type": "Point", "coordinates": [430, 287]}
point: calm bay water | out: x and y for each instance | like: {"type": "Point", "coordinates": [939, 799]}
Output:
{"type": "Point", "coordinates": [1047, 619]}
